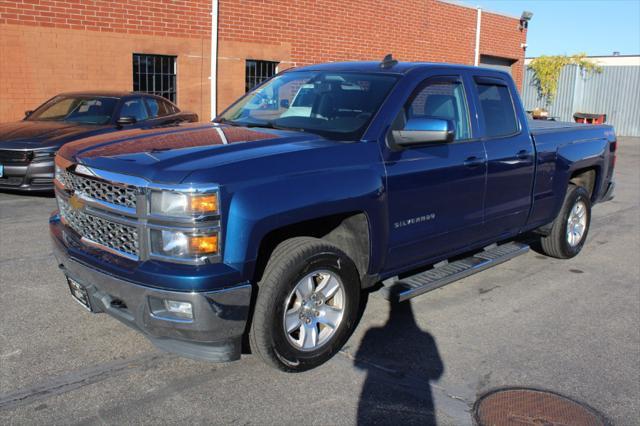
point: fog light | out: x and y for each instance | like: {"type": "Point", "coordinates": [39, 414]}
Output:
{"type": "Point", "coordinates": [171, 310]}
{"type": "Point", "coordinates": [202, 245]}
{"type": "Point", "coordinates": [181, 309]}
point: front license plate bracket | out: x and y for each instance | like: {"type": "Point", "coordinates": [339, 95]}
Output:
{"type": "Point", "coordinates": [79, 294]}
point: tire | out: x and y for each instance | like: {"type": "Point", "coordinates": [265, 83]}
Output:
{"type": "Point", "coordinates": [295, 266]}
{"type": "Point", "coordinates": [559, 243]}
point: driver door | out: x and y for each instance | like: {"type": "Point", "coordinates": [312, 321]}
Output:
{"type": "Point", "coordinates": [436, 190]}
{"type": "Point", "coordinates": [134, 107]}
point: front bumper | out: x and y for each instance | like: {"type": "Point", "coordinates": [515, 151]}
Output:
{"type": "Point", "coordinates": [219, 316]}
{"type": "Point", "coordinates": [34, 176]}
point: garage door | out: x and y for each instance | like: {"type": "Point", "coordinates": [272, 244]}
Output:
{"type": "Point", "coordinates": [502, 64]}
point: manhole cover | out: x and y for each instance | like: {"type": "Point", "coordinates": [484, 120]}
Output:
{"type": "Point", "coordinates": [521, 406]}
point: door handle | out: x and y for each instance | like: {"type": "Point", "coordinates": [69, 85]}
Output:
{"type": "Point", "coordinates": [523, 154]}
{"type": "Point", "coordinates": [473, 162]}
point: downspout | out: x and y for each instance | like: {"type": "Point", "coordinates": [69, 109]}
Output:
{"type": "Point", "coordinates": [214, 58]}
{"type": "Point", "coordinates": [476, 60]}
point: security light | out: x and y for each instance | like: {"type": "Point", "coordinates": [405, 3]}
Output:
{"type": "Point", "coordinates": [525, 18]}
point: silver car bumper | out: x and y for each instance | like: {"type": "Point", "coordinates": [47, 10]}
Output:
{"type": "Point", "coordinates": [35, 176]}
{"type": "Point", "coordinates": [214, 334]}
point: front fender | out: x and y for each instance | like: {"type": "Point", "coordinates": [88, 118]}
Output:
{"type": "Point", "coordinates": [256, 210]}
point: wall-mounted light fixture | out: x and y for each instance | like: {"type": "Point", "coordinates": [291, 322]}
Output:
{"type": "Point", "coordinates": [524, 19]}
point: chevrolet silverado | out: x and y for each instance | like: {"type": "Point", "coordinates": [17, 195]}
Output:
{"type": "Point", "coordinates": [262, 229]}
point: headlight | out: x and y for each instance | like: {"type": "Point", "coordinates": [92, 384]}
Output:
{"type": "Point", "coordinates": [183, 244]}
{"type": "Point", "coordinates": [183, 204]}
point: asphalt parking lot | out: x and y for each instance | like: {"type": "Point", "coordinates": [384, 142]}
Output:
{"type": "Point", "coordinates": [569, 326]}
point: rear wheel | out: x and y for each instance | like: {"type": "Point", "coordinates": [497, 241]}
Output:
{"type": "Point", "coordinates": [570, 228]}
{"type": "Point", "coordinates": [307, 304]}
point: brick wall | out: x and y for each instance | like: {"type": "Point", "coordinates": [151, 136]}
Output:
{"type": "Point", "coordinates": [414, 30]}
{"type": "Point", "coordinates": [37, 63]}
{"type": "Point", "coordinates": [502, 37]}
{"type": "Point", "coordinates": [174, 18]}
{"type": "Point", "coordinates": [312, 31]}
{"type": "Point", "coordinates": [48, 46]}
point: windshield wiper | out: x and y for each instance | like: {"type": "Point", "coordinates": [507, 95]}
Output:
{"type": "Point", "coordinates": [266, 124]}
{"type": "Point", "coordinates": [229, 122]}
{"type": "Point", "coordinates": [270, 125]}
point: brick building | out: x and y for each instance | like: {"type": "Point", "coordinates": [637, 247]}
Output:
{"type": "Point", "coordinates": [165, 46]}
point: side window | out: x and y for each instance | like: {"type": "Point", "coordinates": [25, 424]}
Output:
{"type": "Point", "coordinates": [497, 110]}
{"type": "Point", "coordinates": [134, 108]}
{"type": "Point", "coordinates": [168, 107]}
{"type": "Point", "coordinates": [159, 108]}
{"type": "Point", "coordinates": [442, 100]}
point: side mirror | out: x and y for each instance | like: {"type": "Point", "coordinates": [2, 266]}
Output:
{"type": "Point", "coordinates": [126, 120]}
{"type": "Point", "coordinates": [284, 103]}
{"type": "Point", "coordinates": [419, 131]}
{"type": "Point", "coordinates": [28, 113]}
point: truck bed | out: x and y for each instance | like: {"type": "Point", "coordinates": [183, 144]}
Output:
{"type": "Point", "coordinates": [544, 126]}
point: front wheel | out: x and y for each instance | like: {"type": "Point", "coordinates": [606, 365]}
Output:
{"type": "Point", "coordinates": [307, 304]}
{"type": "Point", "coordinates": [570, 228]}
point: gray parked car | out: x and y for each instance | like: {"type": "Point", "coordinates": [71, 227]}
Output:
{"type": "Point", "coordinates": [27, 147]}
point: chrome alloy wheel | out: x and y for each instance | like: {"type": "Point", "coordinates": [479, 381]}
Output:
{"type": "Point", "coordinates": [576, 223]}
{"type": "Point", "coordinates": [314, 310]}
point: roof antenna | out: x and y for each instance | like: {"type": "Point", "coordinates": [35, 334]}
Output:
{"type": "Point", "coordinates": [388, 62]}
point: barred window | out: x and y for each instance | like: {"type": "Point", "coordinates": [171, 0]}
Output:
{"type": "Point", "coordinates": [155, 74]}
{"type": "Point", "coordinates": [258, 71]}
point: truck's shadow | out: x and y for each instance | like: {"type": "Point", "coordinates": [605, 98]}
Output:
{"type": "Point", "coordinates": [401, 360]}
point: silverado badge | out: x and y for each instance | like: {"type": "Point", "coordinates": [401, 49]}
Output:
{"type": "Point", "coordinates": [414, 220]}
{"type": "Point", "coordinates": [76, 202]}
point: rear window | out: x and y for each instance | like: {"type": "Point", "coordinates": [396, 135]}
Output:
{"type": "Point", "coordinates": [160, 108]}
{"type": "Point", "coordinates": [497, 110]}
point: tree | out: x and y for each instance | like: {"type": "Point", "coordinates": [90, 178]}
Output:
{"type": "Point", "coordinates": [547, 69]}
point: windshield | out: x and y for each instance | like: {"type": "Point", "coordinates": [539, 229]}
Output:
{"type": "Point", "coordinates": [337, 105]}
{"type": "Point", "coordinates": [76, 109]}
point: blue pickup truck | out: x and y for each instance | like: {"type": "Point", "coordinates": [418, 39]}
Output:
{"type": "Point", "coordinates": [261, 230]}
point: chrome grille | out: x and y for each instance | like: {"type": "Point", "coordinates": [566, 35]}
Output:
{"type": "Point", "coordinates": [102, 207]}
{"type": "Point", "coordinates": [113, 193]}
{"type": "Point", "coordinates": [14, 156]}
{"type": "Point", "coordinates": [110, 234]}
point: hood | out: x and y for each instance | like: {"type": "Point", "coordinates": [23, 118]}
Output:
{"type": "Point", "coordinates": [170, 154]}
{"type": "Point", "coordinates": [40, 134]}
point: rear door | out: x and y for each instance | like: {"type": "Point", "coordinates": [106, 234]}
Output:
{"type": "Point", "coordinates": [435, 190]}
{"type": "Point", "coordinates": [510, 155]}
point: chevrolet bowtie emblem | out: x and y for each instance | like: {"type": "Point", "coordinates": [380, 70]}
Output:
{"type": "Point", "coordinates": [76, 202]}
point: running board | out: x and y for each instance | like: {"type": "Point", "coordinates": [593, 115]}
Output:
{"type": "Point", "coordinates": [444, 273]}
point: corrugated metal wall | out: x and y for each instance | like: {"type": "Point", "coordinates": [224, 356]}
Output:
{"type": "Point", "coordinates": [615, 92]}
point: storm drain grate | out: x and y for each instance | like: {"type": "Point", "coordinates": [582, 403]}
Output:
{"type": "Point", "coordinates": [522, 406]}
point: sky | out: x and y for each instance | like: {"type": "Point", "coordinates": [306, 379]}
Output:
{"type": "Point", "coordinates": [595, 27]}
